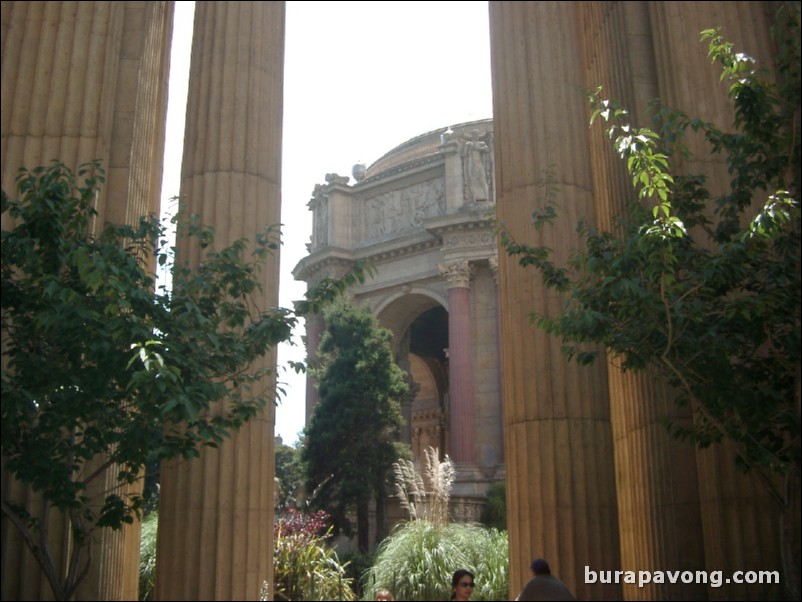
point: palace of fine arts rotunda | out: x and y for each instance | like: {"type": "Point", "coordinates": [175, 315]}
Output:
{"type": "Point", "coordinates": [422, 217]}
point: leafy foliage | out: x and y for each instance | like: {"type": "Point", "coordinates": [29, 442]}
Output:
{"type": "Point", "coordinates": [290, 475]}
{"type": "Point", "coordinates": [100, 370]}
{"type": "Point", "coordinates": [416, 561]}
{"type": "Point", "coordinates": [356, 563]}
{"type": "Point", "coordinates": [703, 289]}
{"type": "Point", "coordinates": [352, 438]}
{"type": "Point", "coordinates": [305, 566]}
{"type": "Point", "coordinates": [494, 514]}
{"type": "Point", "coordinates": [147, 556]}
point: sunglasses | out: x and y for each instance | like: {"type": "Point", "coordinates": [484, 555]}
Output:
{"type": "Point", "coordinates": [467, 584]}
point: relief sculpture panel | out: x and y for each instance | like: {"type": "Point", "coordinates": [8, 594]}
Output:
{"type": "Point", "coordinates": [404, 209]}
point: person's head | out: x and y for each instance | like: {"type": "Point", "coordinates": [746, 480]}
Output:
{"type": "Point", "coordinates": [540, 567]}
{"type": "Point", "coordinates": [384, 594]}
{"type": "Point", "coordinates": [462, 582]}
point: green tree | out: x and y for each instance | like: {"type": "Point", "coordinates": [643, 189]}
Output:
{"type": "Point", "coordinates": [102, 371]}
{"type": "Point", "coordinates": [352, 438]}
{"type": "Point", "coordinates": [290, 475]}
{"type": "Point", "coordinates": [705, 289]}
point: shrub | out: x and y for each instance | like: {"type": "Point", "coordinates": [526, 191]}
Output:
{"type": "Point", "coordinates": [147, 556]}
{"type": "Point", "coordinates": [305, 566]}
{"type": "Point", "coordinates": [494, 514]}
{"type": "Point", "coordinates": [419, 557]}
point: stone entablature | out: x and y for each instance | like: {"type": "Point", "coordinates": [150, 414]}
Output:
{"type": "Point", "coordinates": [403, 191]}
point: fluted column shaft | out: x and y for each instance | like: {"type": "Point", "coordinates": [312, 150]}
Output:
{"type": "Point", "coordinates": [460, 374]}
{"type": "Point", "coordinates": [668, 493]}
{"type": "Point", "coordinates": [84, 81]}
{"type": "Point", "coordinates": [216, 512]}
{"type": "Point", "coordinates": [560, 475]}
{"type": "Point", "coordinates": [658, 503]}
{"type": "Point", "coordinates": [639, 51]}
{"type": "Point", "coordinates": [740, 522]}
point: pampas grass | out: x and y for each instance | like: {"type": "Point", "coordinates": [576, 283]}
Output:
{"type": "Point", "coordinates": [419, 501]}
{"type": "Point", "coordinates": [416, 561]}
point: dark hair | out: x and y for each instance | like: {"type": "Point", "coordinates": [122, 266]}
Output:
{"type": "Point", "coordinates": [455, 578]}
{"type": "Point", "coordinates": [540, 567]}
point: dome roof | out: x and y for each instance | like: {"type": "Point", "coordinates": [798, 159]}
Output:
{"type": "Point", "coordinates": [422, 146]}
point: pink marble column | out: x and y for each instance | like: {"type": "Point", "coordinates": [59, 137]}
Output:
{"type": "Point", "coordinates": [460, 375]}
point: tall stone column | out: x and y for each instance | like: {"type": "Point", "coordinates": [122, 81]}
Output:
{"type": "Point", "coordinates": [460, 375]}
{"type": "Point", "coordinates": [740, 520]}
{"type": "Point", "coordinates": [667, 490]}
{"type": "Point", "coordinates": [84, 81]}
{"type": "Point", "coordinates": [493, 264]}
{"type": "Point", "coordinates": [670, 496]}
{"type": "Point", "coordinates": [658, 502]}
{"type": "Point", "coordinates": [216, 511]}
{"type": "Point", "coordinates": [561, 501]}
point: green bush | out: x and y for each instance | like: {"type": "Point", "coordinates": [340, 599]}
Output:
{"type": "Point", "coordinates": [419, 557]}
{"type": "Point", "coordinates": [356, 564]}
{"type": "Point", "coordinates": [147, 556]}
{"type": "Point", "coordinates": [494, 514]}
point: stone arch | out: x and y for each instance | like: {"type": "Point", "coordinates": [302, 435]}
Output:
{"type": "Point", "coordinates": [400, 309]}
{"type": "Point", "coordinates": [419, 322]}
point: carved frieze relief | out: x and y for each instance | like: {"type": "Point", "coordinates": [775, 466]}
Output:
{"type": "Point", "coordinates": [401, 210]}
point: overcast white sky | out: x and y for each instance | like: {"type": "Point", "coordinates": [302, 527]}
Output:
{"type": "Point", "coordinates": [360, 78]}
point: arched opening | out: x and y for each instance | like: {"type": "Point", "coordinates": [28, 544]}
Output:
{"type": "Point", "coordinates": [420, 329]}
{"type": "Point", "coordinates": [428, 363]}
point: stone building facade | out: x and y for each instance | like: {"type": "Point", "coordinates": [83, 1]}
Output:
{"type": "Point", "coordinates": [422, 217]}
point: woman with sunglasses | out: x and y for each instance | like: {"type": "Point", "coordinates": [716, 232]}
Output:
{"type": "Point", "coordinates": [462, 583]}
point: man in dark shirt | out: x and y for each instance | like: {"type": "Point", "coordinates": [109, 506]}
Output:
{"type": "Point", "coordinates": [543, 585]}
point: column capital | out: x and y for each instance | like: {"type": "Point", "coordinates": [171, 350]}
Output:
{"type": "Point", "coordinates": [457, 274]}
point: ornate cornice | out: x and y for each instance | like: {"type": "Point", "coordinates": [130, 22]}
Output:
{"type": "Point", "coordinates": [320, 265]}
{"type": "Point", "coordinates": [402, 251]}
{"type": "Point", "coordinates": [464, 238]}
